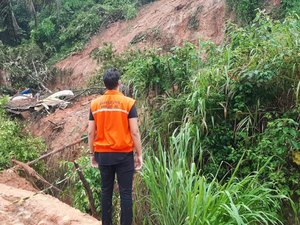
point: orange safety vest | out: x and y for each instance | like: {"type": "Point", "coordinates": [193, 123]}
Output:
{"type": "Point", "coordinates": [110, 113]}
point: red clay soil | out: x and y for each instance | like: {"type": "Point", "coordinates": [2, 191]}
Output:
{"type": "Point", "coordinates": [22, 207]}
{"type": "Point", "coordinates": [163, 23]}
{"type": "Point", "coordinates": [11, 178]}
{"type": "Point", "coordinates": [64, 126]}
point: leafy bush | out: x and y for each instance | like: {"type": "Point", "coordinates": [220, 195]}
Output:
{"type": "Point", "coordinates": [245, 9]}
{"type": "Point", "coordinates": [279, 141]}
{"type": "Point", "coordinates": [289, 6]}
{"type": "Point", "coordinates": [92, 175]}
{"type": "Point", "coordinates": [14, 143]}
{"type": "Point", "coordinates": [45, 34]}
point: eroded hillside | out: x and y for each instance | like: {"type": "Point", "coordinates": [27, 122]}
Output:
{"type": "Point", "coordinates": [162, 24]}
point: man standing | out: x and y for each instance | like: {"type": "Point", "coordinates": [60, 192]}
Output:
{"type": "Point", "coordinates": [113, 135]}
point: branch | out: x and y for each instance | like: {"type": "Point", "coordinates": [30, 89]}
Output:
{"type": "Point", "coordinates": [87, 189]}
{"type": "Point", "coordinates": [55, 151]}
{"type": "Point", "coordinates": [36, 79]}
{"type": "Point", "coordinates": [31, 172]}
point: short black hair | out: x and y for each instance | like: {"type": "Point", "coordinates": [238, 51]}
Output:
{"type": "Point", "coordinates": [111, 78]}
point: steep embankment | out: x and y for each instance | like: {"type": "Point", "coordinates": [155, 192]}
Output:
{"type": "Point", "coordinates": [174, 21]}
{"type": "Point", "coordinates": [163, 24]}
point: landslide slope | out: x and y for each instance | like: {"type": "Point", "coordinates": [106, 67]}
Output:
{"type": "Point", "coordinates": [163, 23]}
{"type": "Point", "coordinates": [176, 20]}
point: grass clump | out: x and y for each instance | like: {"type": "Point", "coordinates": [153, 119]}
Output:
{"type": "Point", "coordinates": [179, 194]}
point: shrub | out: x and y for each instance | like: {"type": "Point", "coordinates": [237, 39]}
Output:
{"type": "Point", "coordinates": [14, 143]}
{"type": "Point", "coordinates": [245, 9]}
{"type": "Point", "coordinates": [278, 142]}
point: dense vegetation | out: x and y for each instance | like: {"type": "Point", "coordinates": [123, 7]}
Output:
{"type": "Point", "coordinates": [240, 102]}
{"type": "Point", "coordinates": [15, 143]}
{"type": "Point", "coordinates": [220, 123]}
{"type": "Point", "coordinates": [46, 31]}
{"type": "Point", "coordinates": [245, 10]}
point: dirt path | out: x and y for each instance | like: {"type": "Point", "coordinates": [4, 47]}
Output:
{"type": "Point", "coordinates": [163, 23]}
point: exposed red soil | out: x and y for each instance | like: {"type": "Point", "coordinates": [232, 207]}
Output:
{"type": "Point", "coordinates": [64, 126]}
{"type": "Point", "coordinates": [11, 178]}
{"type": "Point", "coordinates": [163, 23]}
{"type": "Point", "coordinates": [22, 207]}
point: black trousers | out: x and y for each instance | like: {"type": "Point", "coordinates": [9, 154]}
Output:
{"type": "Point", "coordinates": [124, 171]}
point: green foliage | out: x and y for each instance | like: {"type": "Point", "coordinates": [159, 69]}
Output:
{"type": "Point", "coordinates": [44, 33]}
{"type": "Point", "coordinates": [279, 140]}
{"type": "Point", "coordinates": [25, 64]}
{"type": "Point", "coordinates": [178, 194]}
{"type": "Point", "coordinates": [158, 73]}
{"type": "Point", "coordinates": [245, 9]}
{"type": "Point", "coordinates": [76, 21]}
{"type": "Point", "coordinates": [260, 70]}
{"type": "Point", "coordinates": [289, 6]}
{"type": "Point", "coordinates": [14, 142]}
{"type": "Point", "coordinates": [238, 100]}
{"type": "Point", "coordinates": [269, 79]}
{"type": "Point", "coordinates": [80, 199]}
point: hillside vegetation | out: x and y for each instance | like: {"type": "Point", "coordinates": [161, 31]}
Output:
{"type": "Point", "coordinates": [231, 116]}
{"type": "Point", "coordinates": [220, 124]}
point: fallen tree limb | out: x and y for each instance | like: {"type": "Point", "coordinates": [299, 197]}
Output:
{"type": "Point", "coordinates": [55, 151]}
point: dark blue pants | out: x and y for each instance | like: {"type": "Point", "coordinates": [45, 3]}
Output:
{"type": "Point", "coordinates": [124, 171]}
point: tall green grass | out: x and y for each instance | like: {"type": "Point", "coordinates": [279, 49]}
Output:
{"type": "Point", "coordinates": [179, 194]}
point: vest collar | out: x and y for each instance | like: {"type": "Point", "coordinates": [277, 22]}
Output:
{"type": "Point", "coordinates": [112, 92]}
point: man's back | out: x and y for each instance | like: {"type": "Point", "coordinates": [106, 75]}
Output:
{"type": "Point", "coordinates": [111, 114]}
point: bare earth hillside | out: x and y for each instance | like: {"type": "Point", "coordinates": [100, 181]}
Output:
{"type": "Point", "coordinates": [163, 23]}
{"type": "Point", "coordinates": [171, 18]}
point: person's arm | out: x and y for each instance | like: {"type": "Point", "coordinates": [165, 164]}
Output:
{"type": "Point", "coordinates": [91, 138]}
{"type": "Point", "coordinates": [91, 135]}
{"type": "Point", "coordinates": [136, 137]}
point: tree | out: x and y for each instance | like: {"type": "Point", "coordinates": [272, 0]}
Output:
{"type": "Point", "coordinates": [10, 30]}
